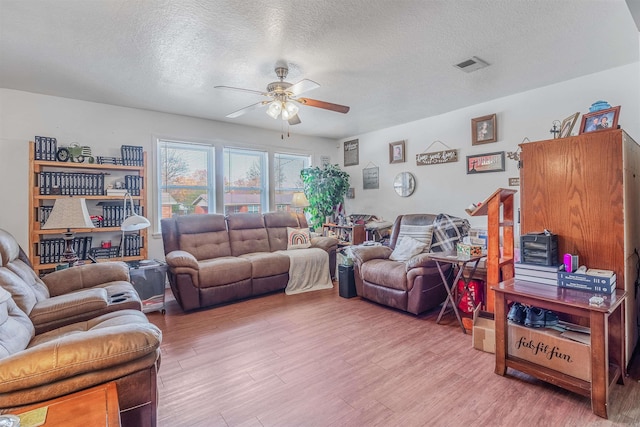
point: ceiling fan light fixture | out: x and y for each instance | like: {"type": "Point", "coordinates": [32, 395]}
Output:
{"type": "Point", "coordinates": [274, 109]}
{"type": "Point", "coordinates": [290, 110]}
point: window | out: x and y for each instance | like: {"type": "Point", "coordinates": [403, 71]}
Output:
{"type": "Point", "coordinates": [186, 178]}
{"type": "Point", "coordinates": [245, 181]}
{"type": "Point", "coordinates": [287, 179]}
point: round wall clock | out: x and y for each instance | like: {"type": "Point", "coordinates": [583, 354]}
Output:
{"type": "Point", "coordinates": [404, 184]}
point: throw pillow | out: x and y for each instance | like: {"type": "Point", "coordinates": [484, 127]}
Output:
{"type": "Point", "coordinates": [407, 248]}
{"type": "Point", "coordinates": [298, 238]}
{"type": "Point", "coordinates": [422, 233]}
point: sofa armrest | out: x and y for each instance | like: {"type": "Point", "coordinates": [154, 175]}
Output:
{"type": "Point", "coordinates": [85, 276]}
{"type": "Point", "coordinates": [421, 260]}
{"type": "Point", "coordinates": [177, 259]}
{"type": "Point", "coordinates": [363, 254]}
{"type": "Point", "coordinates": [68, 305]}
{"type": "Point", "coordinates": [51, 358]}
{"type": "Point", "coordinates": [325, 243]}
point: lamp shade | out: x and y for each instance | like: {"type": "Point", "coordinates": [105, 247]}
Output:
{"type": "Point", "coordinates": [133, 222]}
{"type": "Point", "coordinates": [299, 200]}
{"type": "Point", "coordinates": [69, 212]}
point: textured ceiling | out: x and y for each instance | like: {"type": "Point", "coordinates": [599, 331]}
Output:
{"type": "Point", "coordinates": [390, 61]}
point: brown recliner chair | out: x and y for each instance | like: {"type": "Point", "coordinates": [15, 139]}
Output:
{"type": "Point", "coordinates": [414, 286]}
{"type": "Point", "coordinates": [66, 296]}
{"type": "Point", "coordinates": [121, 346]}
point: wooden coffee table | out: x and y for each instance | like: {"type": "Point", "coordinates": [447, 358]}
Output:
{"type": "Point", "coordinates": [97, 406]}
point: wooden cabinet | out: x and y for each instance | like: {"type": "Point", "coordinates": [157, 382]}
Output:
{"type": "Point", "coordinates": [346, 234]}
{"type": "Point", "coordinates": [41, 202]}
{"type": "Point", "coordinates": [586, 190]}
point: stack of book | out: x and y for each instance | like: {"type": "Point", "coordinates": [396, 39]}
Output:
{"type": "Point", "coordinates": [593, 280]}
{"type": "Point", "coordinates": [545, 274]}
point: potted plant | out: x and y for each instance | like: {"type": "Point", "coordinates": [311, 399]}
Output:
{"type": "Point", "coordinates": [325, 189]}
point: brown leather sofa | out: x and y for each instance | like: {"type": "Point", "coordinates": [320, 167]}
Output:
{"type": "Point", "coordinates": [66, 296]}
{"type": "Point", "coordinates": [414, 286]}
{"type": "Point", "coordinates": [213, 259]}
{"type": "Point", "coordinates": [121, 346]}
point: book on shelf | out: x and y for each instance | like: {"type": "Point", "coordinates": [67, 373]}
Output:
{"type": "Point", "coordinates": [537, 267]}
{"type": "Point", "coordinates": [533, 270]}
{"type": "Point", "coordinates": [586, 278]}
{"type": "Point", "coordinates": [45, 148]}
{"type": "Point", "coordinates": [607, 288]}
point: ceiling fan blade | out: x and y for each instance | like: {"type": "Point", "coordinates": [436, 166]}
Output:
{"type": "Point", "coordinates": [322, 104]}
{"type": "Point", "coordinates": [295, 120]}
{"type": "Point", "coordinates": [244, 110]}
{"type": "Point", "coordinates": [302, 86]}
{"type": "Point", "coordinates": [256, 92]}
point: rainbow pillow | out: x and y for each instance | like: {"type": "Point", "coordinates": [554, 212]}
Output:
{"type": "Point", "coordinates": [298, 238]}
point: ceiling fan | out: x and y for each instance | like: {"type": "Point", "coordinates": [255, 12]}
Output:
{"type": "Point", "coordinates": [284, 97]}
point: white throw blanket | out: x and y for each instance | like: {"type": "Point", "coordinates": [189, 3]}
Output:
{"type": "Point", "coordinates": [308, 270]}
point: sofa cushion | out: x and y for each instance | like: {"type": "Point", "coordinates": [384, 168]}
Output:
{"type": "Point", "coordinates": [421, 233]}
{"type": "Point", "coordinates": [407, 248]}
{"type": "Point", "coordinates": [390, 274]}
{"type": "Point", "coordinates": [247, 234]}
{"type": "Point", "coordinates": [106, 342]}
{"type": "Point", "coordinates": [266, 264]}
{"type": "Point", "coordinates": [27, 289]}
{"type": "Point", "coordinates": [277, 223]}
{"type": "Point", "coordinates": [298, 238]}
{"type": "Point", "coordinates": [204, 236]}
{"type": "Point", "coordinates": [16, 330]}
{"type": "Point", "coordinates": [223, 271]}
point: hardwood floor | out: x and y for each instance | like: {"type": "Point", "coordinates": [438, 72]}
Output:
{"type": "Point", "coordinates": [316, 359]}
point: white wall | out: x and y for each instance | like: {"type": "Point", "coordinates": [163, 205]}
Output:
{"type": "Point", "coordinates": [446, 187]}
{"type": "Point", "coordinates": [105, 128]}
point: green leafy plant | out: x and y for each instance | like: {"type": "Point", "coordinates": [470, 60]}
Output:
{"type": "Point", "coordinates": [325, 189]}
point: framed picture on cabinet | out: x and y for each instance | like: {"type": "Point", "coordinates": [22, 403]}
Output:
{"type": "Point", "coordinates": [567, 125]}
{"type": "Point", "coordinates": [600, 120]}
{"type": "Point", "coordinates": [482, 163]}
{"type": "Point", "coordinates": [484, 130]}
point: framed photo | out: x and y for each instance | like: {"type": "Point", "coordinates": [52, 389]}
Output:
{"type": "Point", "coordinates": [396, 152]}
{"type": "Point", "coordinates": [484, 130]}
{"type": "Point", "coordinates": [600, 120]}
{"type": "Point", "coordinates": [482, 163]}
{"type": "Point", "coordinates": [567, 125]}
{"type": "Point", "coordinates": [351, 152]}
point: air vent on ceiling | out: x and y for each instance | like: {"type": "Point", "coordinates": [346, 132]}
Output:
{"type": "Point", "coordinates": [472, 64]}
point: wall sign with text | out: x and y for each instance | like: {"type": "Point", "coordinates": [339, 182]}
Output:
{"type": "Point", "coordinates": [436, 157]}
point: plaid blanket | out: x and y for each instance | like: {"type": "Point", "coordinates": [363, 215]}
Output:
{"type": "Point", "coordinates": [447, 231]}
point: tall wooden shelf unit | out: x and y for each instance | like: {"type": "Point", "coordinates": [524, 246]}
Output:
{"type": "Point", "coordinates": [586, 189]}
{"type": "Point", "coordinates": [37, 200]}
{"type": "Point", "coordinates": [499, 211]}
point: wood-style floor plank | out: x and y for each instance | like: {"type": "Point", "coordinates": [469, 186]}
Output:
{"type": "Point", "coordinates": [316, 359]}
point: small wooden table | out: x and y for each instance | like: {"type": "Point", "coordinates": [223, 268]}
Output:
{"type": "Point", "coordinates": [461, 261]}
{"type": "Point", "coordinates": [96, 406]}
{"type": "Point", "coordinates": [607, 323]}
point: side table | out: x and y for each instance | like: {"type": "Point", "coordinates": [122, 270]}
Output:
{"type": "Point", "coordinates": [461, 261]}
{"type": "Point", "coordinates": [607, 323]}
{"type": "Point", "coordinates": [96, 406]}
{"type": "Point", "coordinates": [148, 278]}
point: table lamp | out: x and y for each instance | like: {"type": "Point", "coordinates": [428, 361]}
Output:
{"type": "Point", "coordinates": [69, 212]}
{"type": "Point", "coordinates": [299, 200]}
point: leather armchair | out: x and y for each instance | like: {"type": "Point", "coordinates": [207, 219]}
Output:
{"type": "Point", "coordinates": [121, 346]}
{"type": "Point", "coordinates": [66, 296]}
{"type": "Point", "coordinates": [414, 286]}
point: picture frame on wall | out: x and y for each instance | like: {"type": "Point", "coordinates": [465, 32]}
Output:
{"type": "Point", "coordinates": [397, 152]}
{"type": "Point", "coordinates": [484, 130]}
{"type": "Point", "coordinates": [351, 152]}
{"type": "Point", "coordinates": [488, 162]}
{"type": "Point", "coordinates": [600, 120]}
{"type": "Point", "coordinates": [567, 125]}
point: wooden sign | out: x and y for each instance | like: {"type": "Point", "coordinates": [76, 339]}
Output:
{"type": "Point", "coordinates": [351, 152]}
{"type": "Point", "coordinates": [370, 178]}
{"type": "Point", "coordinates": [436, 157]}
